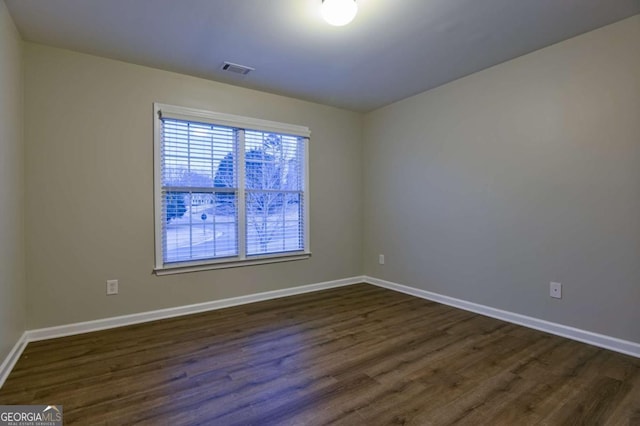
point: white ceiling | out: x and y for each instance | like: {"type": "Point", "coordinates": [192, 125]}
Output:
{"type": "Point", "coordinates": [393, 49]}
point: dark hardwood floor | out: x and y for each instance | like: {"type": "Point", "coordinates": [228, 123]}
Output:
{"type": "Point", "coordinates": [357, 355]}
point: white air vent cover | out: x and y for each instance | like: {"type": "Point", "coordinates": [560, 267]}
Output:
{"type": "Point", "coordinates": [237, 69]}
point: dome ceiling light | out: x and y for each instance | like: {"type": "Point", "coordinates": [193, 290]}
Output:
{"type": "Point", "coordinates": [339, 12]}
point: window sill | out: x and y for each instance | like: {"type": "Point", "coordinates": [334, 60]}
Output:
{"type": "Point", "coordinates": [183, 269]}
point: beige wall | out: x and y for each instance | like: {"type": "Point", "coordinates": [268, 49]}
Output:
{"type": "Point", "coordinates": [484, 189]}
{"type": "Point", "coordinates": [488, 188]}
{"type": "Point", "coordinates": [12, 279]}
{"type": "Point", "coordinates": [89, 207]}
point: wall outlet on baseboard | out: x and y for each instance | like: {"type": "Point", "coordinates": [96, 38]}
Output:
{"type": "Point", "coordinates": [381, 259]}
{"type": "Point", "coordinates": [112, 287]}
{"type": "Point", "coordinates": [555, 290]}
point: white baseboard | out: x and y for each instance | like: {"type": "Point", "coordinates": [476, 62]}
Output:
{"type": "Point", "coordinates": [595, 339]}
{"type": "Point", "coordinates": [600, 340]}
{"type": "Point", "coordinates": [11, 359]}
{"type": "Point", "coordinates": [120, 321]}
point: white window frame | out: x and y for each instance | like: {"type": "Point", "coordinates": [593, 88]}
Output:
{"type": "Point", "coordinates": [242, 123]}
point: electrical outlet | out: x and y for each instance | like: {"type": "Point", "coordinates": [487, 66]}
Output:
{"type": "Point", "coordinates": [112, 287]}
{"type": "Point", "coordinates": [555, 290]}
{"type": "Point", "coordinates": [381, 259]}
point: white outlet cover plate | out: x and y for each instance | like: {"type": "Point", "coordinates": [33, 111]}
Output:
{"type": "Point", "coordinates": [112, 287]}
{"type": "Point", "coordinates": [555, 290]}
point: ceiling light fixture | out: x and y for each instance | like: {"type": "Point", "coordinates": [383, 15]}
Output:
{"type": "Point", "coordinates": [339, 12]}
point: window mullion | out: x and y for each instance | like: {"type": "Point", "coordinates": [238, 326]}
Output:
{"type": "Point", "coordinates": [241, 198]}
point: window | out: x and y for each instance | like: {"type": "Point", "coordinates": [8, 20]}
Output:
{"type": "Point", "coordinates": [229, 190]}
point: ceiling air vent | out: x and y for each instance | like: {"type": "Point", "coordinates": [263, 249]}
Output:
{"type": "Point", "coordinates": [237, 69]}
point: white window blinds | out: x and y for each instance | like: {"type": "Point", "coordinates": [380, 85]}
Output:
{"type": "Point", "coordinates": [228, 194]}
{"type": "Point", "coordinates": [274, 201]}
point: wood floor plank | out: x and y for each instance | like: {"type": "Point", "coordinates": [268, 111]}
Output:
{"type": "Point", "coordinates": [356, 355]}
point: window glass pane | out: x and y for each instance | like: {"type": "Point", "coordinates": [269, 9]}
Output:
{"type": "Point", "coordinates": [273, 162]}
{"type": "Point", "coordinates": [274, 222]}
{"type": "Point", "coordinates": [197, 228]}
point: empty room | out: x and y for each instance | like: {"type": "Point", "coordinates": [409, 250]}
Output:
{"type": "Point", "coordinates": [312, 212]}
